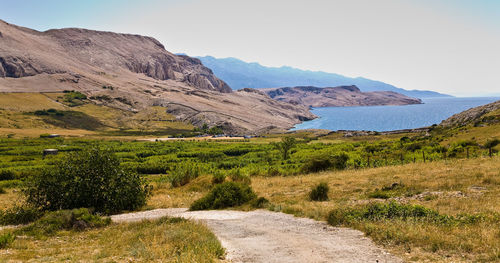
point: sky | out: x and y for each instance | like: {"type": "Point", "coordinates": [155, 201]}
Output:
{"type": "Point", "coordinates": [449, 46]}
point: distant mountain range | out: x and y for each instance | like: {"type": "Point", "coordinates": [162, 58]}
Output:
{"type": "Point", "coordinates": [240, 74]}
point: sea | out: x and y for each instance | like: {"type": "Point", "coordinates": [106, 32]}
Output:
{"type": "Point", "coordinates": [388, 118]}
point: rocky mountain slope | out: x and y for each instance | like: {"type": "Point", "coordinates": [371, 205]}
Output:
{"type": "Point", "coordinates": [337, 96]}
{"type": "Point", "coordinates": [132, 73]}
{"type": "Point", "coordinates": [479, 116]}
{"type": "Point", "coordinates": [240, 74]}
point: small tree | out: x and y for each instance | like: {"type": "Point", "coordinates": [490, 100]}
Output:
{"type": "Point", "coordinates": [88, 178]}
{"type": "Point", "coordinates": [286, 144]}
{"type": "Point", "coordinates": [490, 144]}
{"type": "Point", "coordinates": [319, 192]}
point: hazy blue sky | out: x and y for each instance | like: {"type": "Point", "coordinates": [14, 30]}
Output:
{"type": "Point", "coordinates": [452, 46]}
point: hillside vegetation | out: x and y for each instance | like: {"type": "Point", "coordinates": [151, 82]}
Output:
{"type": "Point", "coordinates": [428, 196]}
{"type": "Point", "coordinates": [32, 114]}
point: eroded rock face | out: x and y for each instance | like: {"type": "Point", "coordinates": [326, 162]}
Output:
{"type": "Point", "coordinates": [142, 74]}
{"type": "Point", "coordinates": [25, 52]}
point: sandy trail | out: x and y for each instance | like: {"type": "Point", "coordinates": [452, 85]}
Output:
{"type": "Point", "coordinates": [264, 236]}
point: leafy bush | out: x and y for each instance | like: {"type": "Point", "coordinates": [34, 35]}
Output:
{"type": "Point", "coordinates": [224, 195]}
{"type": "Point", "coordinates": [6, 175]}
{"type": "Point", "coordinates": [6, 239]}
{"type": "Point", "coordinates": [11, 184]}
{"type": "Point", "coordinates": [76, 219]}
{"type": "Point", "coordinates": [210, 156]}
{"type": "Point", "coordinates": [380, 194]}
{"type": "Point", "coordinates": [184, 173]}
{"type": "Point", "coordinates": [47, 113]}
{"type": "Point", "coordinates": [2, 191]}
{"type": "Point", "coordinates": [260, 202]}
{"type": "Point", "coordinates": [19, 215]}
{"type": "Point", "coordinates": [218, 178]}
{"type": "Point", "coordinates": [319, 192]}
{"type": "Point", "coordinates": [74, 98]}
{"type": "Point", "coordinates": [152, 168]}
{"type": "Point", "coordinates": [237, 176]}
{"type": "Point", "coordinates": [394, 210]}
{"type": "Point", "coordinates": [44, 135]}
{"type": "Point", "coordinates": [88, 178]}
{"type": "Point", "coordinates": [324, 162]}
{"type": "Point", "coordinates": [284, 147]}
{"type": "Point", "coordinates": [236, 151]}
{"type": "Point", "coordinates": [395, 189]}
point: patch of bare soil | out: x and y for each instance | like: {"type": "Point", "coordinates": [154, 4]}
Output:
{"type": "Point", "coordinates": [264, 236]}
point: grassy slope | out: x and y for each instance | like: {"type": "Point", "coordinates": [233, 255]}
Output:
{"type": "Point", "coordinates": [15, 117]}
{"type": "Point", "coordinates": [460, 186]}
{"type": "Point", "coordinates": [164, 240]}
{"type": "Point", "coordinates": [451, 187]}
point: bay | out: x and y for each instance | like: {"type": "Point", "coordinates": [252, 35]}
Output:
{"type": "Point", "coordinates": [388, 118]}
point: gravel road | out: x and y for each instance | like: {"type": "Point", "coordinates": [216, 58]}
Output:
{"type": "Point", "coordinates": [265, 236]}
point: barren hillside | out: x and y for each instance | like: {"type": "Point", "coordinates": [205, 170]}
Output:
{"type": "Point", "coordinates": [338, 96]}
{"type": "Point", "coordinates": [479, 116]}
{"type": "Point", "coordinates": [132, 73]}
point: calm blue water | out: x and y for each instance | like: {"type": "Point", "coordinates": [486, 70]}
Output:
{"type": "Point", "coordinates": [387, 118]}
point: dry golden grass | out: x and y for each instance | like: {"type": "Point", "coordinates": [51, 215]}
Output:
{"type": "Point", "coordinates": [165, 196]}
{"type": "Point", "coordinates": [459, 187]}
{"type": "Point", "coordinates": [15, 122]}
{"type": "Point", "coordinates": [25, 102]}
{"type": "Point", "coordinates": [451, 187]}
{"type": "Point", "coordinates": [462, 186]}
{"type": "Point", "coordinates": [164, 240]}
{"type": "Point", "coordinates": [10, 198]}
{"type": "Point", "coordinates": [35, 132]}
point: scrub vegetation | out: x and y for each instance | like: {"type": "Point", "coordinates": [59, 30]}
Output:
{"type": "Point", "coordinates": [423, 196]}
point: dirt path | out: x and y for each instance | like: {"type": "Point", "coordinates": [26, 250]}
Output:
{"type": "Point", "coordinates": [264, 236]}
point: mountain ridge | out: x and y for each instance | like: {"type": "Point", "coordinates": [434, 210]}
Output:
{"type": "Point", "coordinates": [239, 74]}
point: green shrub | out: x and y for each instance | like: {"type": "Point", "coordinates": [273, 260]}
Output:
{"type": "Point", "coordinates": [394, 210]}
{"type": "Point", "coordinates": [224, 195]}
{"type": "Point", "coordinates": [6, 239]}
{"type": "Point", "coordinates": [11, 183]}
{"type": "Point", "coordinates": [237, 176]}
{"type": "Point", "coordinates": [393, 190]}
{"type": "Point", "coordinates": [2, 191]}
{"type": "Point", "coordinates": [236, 151]}
{"type": "Point", "coordinates": [76, 219]}
{"type": "Point", "coordinates": [19, 215]}
{"type": "Point", "coordinates": [210, 156]}
{"type": "Point", "coordinates": [88, 178]}
{"type": "Point", "coordinates": [41, 112]}
{"type": "Point", "coordinates": [319, 192]}
{"type": "Point", "coordinates": [325, 162]}
{"type": "Point", "coordinates": [272, 171]}
{"type": "Point", "coordinates": [153, 167]}
{"type": "Point", "coordinates": [6, 175]}
{"type": "Point", "coordinates": [284, 146]}
{"type": "Point", "coordinates": [260, 202]}
{"type": "Point", "coordinates": [184, 173]}
{"type": "Point", "coordinates": [380, 194]}
{"type": "Point", "coordinates": [218, 178]}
